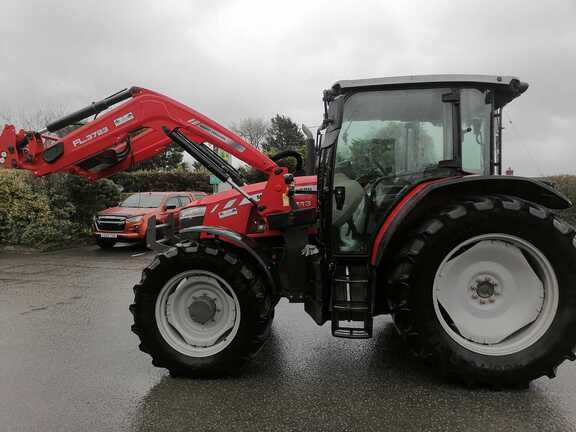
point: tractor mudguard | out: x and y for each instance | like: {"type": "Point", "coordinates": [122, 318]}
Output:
{"type": "Point", "coordinates": [241, 241]}
{"type": "Point", "coordinates": [427, 194]}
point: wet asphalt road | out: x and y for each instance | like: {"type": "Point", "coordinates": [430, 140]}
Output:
{"type": "Point", "coordinates": [69, 362]}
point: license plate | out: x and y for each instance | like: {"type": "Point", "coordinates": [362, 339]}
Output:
{"type": "Point", "coordinates": [108, 235]}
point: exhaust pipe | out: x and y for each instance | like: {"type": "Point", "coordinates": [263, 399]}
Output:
{"type": "Point", "coordinates": [310, 162]}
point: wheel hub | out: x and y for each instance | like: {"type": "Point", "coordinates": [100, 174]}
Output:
{"type": "Point", "coordinates": [202, 309]}
{"type": "Point", "coordinates": [484, 289]}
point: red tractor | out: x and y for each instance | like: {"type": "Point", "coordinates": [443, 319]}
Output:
{"type": "Point", "coordinates": [403, 213]}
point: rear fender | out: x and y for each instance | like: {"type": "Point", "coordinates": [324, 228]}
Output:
{"type": "Point", "coordinates": [427, 195]}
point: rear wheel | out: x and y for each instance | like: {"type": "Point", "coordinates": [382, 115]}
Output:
{"type": "Point", "coordinates": [484, 289]}
{"type": "Point", "coordinates": [105, 243]}
{"type": "Point", "coordinates": [200, 310]}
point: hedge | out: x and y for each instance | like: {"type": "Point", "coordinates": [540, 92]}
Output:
{"type": "Point", "coordinates": [57, 209]}
{"type": "Point", "coordinates": [40, 212]}
{"type": "Point", "coordinates": [84, 198]}
{"type": "Point", "coordinates": [26, 216]}
{"type": "Point", "coordinates": [162, 181]}
{"type": "Point", "coordinates": [567, 185]}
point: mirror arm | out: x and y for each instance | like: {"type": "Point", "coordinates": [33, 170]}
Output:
{"type": "Point", "coordinates": [340, 197]}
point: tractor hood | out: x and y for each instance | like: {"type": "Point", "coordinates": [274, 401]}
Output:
{"type": "Point", "coordinates": [302, 183]}
{"type": "Point", "coordinates": [233, 211]}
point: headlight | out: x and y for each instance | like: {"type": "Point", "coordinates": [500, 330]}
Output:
{"type": "Point", "coordinates": [135, 219]}
{"type": "Point", "coordinates": [192, 212]}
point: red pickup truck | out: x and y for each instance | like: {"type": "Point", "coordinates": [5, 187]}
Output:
{"type": "Point", "coordinates": [128, 221]}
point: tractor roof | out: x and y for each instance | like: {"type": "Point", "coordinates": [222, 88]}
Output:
{"type": "Point", "coordinates": [506, 87]}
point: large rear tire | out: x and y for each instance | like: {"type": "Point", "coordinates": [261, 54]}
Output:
{"type": "Point", "coordinates": [485, 289]}
{"type": "Point", "coordinates": [201, 310]}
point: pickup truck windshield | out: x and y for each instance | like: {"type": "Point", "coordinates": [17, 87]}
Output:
{"type": "Point", "coordinates": [142, 200]}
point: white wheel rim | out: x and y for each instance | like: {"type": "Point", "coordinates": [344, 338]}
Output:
{"type": "Point", "coordinates": [495, 294]}
{"type": "Point", "coordinates": [197, 313]}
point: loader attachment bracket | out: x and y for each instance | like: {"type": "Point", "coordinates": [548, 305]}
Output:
{"type": "Point", "coordinates": [168, 237]}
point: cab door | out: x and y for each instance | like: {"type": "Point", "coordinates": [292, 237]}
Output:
{"type": "Point", "coordinates": [388, 141]}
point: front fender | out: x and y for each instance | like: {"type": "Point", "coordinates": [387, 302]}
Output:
{"type": "Point", "coordinates": [431, 193]}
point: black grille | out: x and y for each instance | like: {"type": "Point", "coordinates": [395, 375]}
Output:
{"type": "Point", "coordinates": [110, 223]}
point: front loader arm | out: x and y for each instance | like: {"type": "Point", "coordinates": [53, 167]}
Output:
{"type": "Point", "coordinates": [134, 130]}
{"type": "Point", "coordinates": [139, 123]}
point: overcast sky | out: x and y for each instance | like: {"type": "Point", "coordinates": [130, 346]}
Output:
{"type": "Point", "coordinates": [236, 59]}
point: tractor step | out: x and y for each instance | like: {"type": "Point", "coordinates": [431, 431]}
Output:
{"type": "Point", "coordinates": [350, 332]}
{"type": "Point", "coordinates": [351, 303]}
{"type": "Point", "coordinates": [351, 306]}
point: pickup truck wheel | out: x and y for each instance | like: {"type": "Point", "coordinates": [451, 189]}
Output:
{"type": "Point", "coordinates": [105, 243]}
{"type": "Point", "coordinates": [485, 290]}
{"type": "Point", "coordinates": [201, 310]}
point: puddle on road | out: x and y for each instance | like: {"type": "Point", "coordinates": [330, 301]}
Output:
{"type": "Point", "coordinates": [31, 269]}
{"type": "Point", "coordinates": [69, 301]}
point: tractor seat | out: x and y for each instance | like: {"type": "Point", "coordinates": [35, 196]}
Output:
{"type": "Point", "coordinates": [354, 196]}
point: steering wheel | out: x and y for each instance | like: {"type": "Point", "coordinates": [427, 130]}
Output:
{"type": "Point", "coordinates": [290, 153]}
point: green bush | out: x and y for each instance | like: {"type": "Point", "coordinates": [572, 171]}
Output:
{"type": "Point", "coordinates": [39, 212]}
{"type": "Point", "coordinates": [162, 181]}
{"type": "Point", "coordinates": [567, 185]}
{"type": "Point", "coordinates": [80, 197]}
{"type": "Point", "coordinates": [26, 216]}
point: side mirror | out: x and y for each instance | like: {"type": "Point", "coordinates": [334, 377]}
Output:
{"type": "Point", "coordinates": [170, 206]}
{"type": "Point", "coordinates": [340, 196]}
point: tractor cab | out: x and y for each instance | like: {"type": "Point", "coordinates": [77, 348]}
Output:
{"type": "Point", "coordinates": [382, 137]}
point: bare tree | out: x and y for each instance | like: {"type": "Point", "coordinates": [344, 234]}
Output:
{"type": "Point", "coordinates": [32, 120]}
{"type": "Point", "coordinates": [252, 130]}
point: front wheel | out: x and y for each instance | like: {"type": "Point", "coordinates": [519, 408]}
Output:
{"type": "Point", "coordinates": [485, 289]}
{"type": "Point", "coordinates": [200, 310]}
